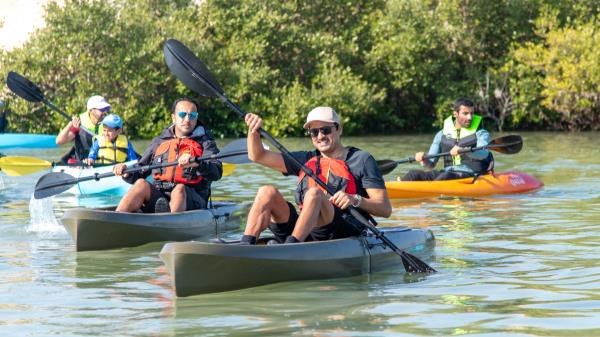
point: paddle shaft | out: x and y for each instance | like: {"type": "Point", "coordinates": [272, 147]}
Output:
{"type": "Point", "coordinates": [466, 150]}
{"type": "Point", "coordinates": [99, 176]}
{"type": "Point", "coordinates": [53, 107]}
{"type": "Point", "coordinates": [175, 49]}
{"type": "Point", "coordinates": [353, 211]}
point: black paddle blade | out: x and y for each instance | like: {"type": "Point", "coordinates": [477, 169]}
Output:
{"type": "Point", "coordinates": [23, 87]}
{"type": "Point", "coordinates": [53, 183]}
{"type": "Point", "coordinates": [189, 69]}
{"type": "Point", "coordinates": [386, 166]}
{"type": "Point", "coordinates": [510, 144]}
{"type": "Point", "coordinates": [238, 150]}
{"type": "Point", "coordinates": [413, 264]}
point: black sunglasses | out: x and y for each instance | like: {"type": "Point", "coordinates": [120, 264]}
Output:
{"type": "Point", "coordinates": [325, 130]}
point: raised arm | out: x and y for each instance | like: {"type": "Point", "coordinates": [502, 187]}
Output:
{"type": "Point", "coordinates": [69, 132]}
{"type": "Point", "coordinates": [256, 152]}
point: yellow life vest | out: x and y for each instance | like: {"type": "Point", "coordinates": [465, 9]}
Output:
{"type": "Point", "coordinates": [464, 137]}
{"type": "Point", "coordinates": [109, 152]}
{"type": "Point", "coordinates": [86, 122]}
{"type": "Point", "coordinates": [83, 140]}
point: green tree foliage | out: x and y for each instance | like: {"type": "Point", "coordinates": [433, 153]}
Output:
{"type": "Point", "coordinates": [385, 65]}
{"type": "Point", "coordinates": [556, 81]}
{"type": "Point", "coordinates": [281, 59]}
{"type": "Point", "coordinates": [96, 47]}
{"type": "Point", "coordinates": [277, 59]}
{"type": "Point", "coordinates": [427, 53]}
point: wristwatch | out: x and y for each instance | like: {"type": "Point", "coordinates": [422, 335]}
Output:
{"type": "Point", "coordinates": [356, 200]}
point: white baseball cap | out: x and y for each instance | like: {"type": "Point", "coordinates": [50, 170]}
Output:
{"type": "Point", "coordinates": [97, 102]}
{"type": "Point", "coordinates": [322, 114]}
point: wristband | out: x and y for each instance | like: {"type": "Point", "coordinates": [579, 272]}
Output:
{"type": "Point", "coordinates": [74, 129]}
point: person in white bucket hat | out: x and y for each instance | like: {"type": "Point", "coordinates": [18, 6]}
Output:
{"type": "Point", "coordinates": [351, 172]}
{"type": "Point", "coordinates": [97, 108]}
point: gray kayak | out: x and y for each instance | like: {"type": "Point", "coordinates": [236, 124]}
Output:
{"type": "Point", "coordinates": [207, 267]}
{"type": "Point", "coordinates": [97, 229]}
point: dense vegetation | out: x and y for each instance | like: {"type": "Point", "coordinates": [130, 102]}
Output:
{"type": "Point", "coordinates": [387, 66]}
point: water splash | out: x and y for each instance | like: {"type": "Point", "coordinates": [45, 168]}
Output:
{"type": "Point", "coordinates": [42, 218]}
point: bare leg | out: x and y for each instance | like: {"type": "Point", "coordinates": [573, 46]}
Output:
{"type": "Point", "coordinates": [178, 200]}
{"type": "Point", "coordinates": [269, 206]}
{"type": "Point", "coordinates": [317, 211]}
{"type": "Point", "coordinates": [135, 197]}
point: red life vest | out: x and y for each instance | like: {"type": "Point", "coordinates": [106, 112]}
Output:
{"type": "Point", "coordinates": [333, 172]}
{"type": "Point", "coordinates": [169, 151]}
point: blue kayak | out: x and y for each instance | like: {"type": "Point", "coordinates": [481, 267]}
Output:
{"type": "Point", "coordinates": [111, 185]}
{"type": "Point", "coordinates": [28, 140]}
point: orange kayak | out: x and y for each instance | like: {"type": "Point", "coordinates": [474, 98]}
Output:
{"type": "Point", "coordinates": [488, 184]}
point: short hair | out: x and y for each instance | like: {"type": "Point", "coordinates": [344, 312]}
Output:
{"type": "Point", "coordinates": [182, 99]}
{"type": "Point", "coordinates": [463, 101]}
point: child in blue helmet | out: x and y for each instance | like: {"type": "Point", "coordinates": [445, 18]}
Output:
{"type": "Point", "coordinates": [112, 146]}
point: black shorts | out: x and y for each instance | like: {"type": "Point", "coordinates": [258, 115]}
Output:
{"type": "Point", "coordinates": [337, 229]}
{"type": "Point", "coordinates": [420, 175]}
{"type": "Point", "coordinates": [193, 200]}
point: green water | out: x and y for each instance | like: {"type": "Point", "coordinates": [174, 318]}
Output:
{"type": "Point", "coordinates": [518, 265]}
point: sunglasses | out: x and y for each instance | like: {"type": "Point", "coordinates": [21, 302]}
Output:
{"type": "Point", "coordinates": [192, 115]}
{"type": "Point", "coordinates": [325, 130]}
{"type": "Point", "coordinates": [105, 109]}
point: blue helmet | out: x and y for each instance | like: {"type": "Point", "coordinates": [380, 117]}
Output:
{"type": "Point", "coordinates": [113, 121]}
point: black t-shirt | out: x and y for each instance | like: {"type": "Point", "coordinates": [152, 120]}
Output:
{"type": "Point", "coordinates": [361, 164]}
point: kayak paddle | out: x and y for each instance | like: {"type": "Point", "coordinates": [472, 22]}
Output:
{"type": "Point", "coordinates": [54, 183]}
{"type": "Point", "coordinates": [196, 76]}
{"type": "Point", "coordinates": [509, 144]}
{"type": "Point", "coordinates": [27, 90]}
{"type": "Point", "coordinates": [20, 166]}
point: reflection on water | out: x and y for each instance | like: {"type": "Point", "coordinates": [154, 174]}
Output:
{"type": "Point", "coordinates": [516, 265]}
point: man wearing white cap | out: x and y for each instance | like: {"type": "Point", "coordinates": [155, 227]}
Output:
{"type": "Point", "coordinates": [97, 108]}
{"type": "Point", "coordinates": [351, 172]}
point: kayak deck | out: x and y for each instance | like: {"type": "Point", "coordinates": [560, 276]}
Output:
{"type": "Point", "coordinates": [488, 184]}
{"type": "Point", "coordinates": [98, 229]}
{"type": "Point", "coordinates": [203, 267]}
